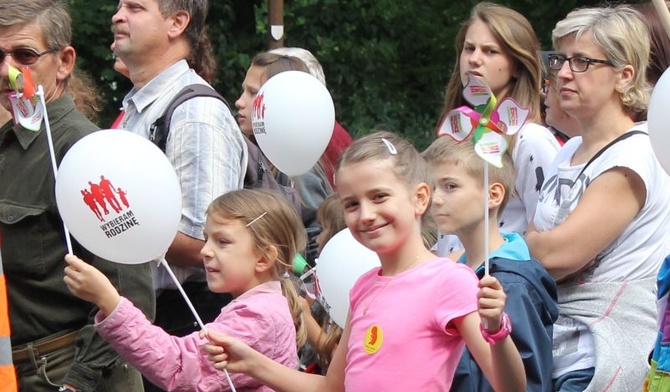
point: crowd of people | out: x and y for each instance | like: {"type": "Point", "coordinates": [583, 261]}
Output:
{"type": "Point", "coordinates": [548, 273]}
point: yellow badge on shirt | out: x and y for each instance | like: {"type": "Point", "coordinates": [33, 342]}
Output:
{"type": "Point", "coordinates": [374, 337]}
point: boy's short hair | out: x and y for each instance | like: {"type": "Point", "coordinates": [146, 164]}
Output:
{"type": "Point", "coordinates": [447, 150]}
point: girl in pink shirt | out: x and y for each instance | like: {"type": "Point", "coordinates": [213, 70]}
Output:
{"type": "Point", "coordinates": [251, 238]}
{"type": "Point", "coordinates": [410, 319]}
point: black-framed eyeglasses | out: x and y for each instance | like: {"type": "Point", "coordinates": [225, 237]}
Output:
{"type": "Point", "coordinates": [24, 56]}
{"type": "Point", "coordinates": [577, 63]}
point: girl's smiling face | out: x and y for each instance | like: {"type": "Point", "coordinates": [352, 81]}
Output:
{"type": "Point", "coordinates": [378, 208]}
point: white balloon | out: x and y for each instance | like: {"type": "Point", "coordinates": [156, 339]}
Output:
{"type": "Point", "coordinates": [119, 196]}
{"type": "Point", "coordinates": [658, 118]}
{"type": "Point", "coordinates": [292, 120]}
{"type": "Point", "coordinates": [341, 262]}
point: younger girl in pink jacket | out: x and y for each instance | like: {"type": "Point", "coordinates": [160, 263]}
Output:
{"type": "Point", "coordinates": [251, 238]}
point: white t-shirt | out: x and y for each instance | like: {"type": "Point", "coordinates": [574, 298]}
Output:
{"type": "Point", "coordinates": [534, 150]}
{"type": "Point", "coordinates": [640, 248]}
{"type": "Point", "coordinates": [638, 251]}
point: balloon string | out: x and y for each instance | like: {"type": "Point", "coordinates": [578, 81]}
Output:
{"type": "Point", "coordinates": [195, 314]}
{"type": "Point", "coordinates": [54, 166]}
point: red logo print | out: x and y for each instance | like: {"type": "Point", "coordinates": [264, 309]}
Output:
{"type": "Point", "coordinates": [259, 107]}
{"type": "Point", "coordinates": [373, 335]}
{"type": "Point", "coordinates": [455, 124]}
{"type": "Point", "coordinates": [478, 90]}
{"type": "Point", "coordinates": [102, 194]}
{"type": "Point", "coordinates": [513, 115]}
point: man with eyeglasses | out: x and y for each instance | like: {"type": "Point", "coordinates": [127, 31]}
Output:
{"type": "Point", "coordinates": [54, 343]}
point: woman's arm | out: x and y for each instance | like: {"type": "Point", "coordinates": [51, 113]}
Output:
{"type": "Point", "coordinates": [608, 205]}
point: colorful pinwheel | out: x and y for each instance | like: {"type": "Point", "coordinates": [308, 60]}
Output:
{"type": "Point", "coordinates": [488, 122]}
{"type": "Point", "coordinates": [26, 105]}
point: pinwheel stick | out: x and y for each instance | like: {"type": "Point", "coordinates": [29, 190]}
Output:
{"type": "Point", "coordinates": [486, 225]}
{"type": "Point", "coordinates": [486, 218]}
{"type": "Point", "coordinates": [54, 166]}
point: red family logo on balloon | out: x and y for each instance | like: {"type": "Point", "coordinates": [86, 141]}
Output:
{"type": "Point", "coordinates": [103, 196]}
{"type": "Point", "coordinates": [258, 117]}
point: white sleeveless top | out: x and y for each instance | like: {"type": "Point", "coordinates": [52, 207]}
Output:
{"type": "Point", "coordinates": [639, 250]}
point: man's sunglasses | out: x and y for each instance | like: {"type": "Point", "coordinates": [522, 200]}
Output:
{"type": "Point", "coordinates": [24, 56]}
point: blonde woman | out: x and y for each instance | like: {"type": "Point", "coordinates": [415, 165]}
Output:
{"type": "Point", "coordinates": [600, 227]}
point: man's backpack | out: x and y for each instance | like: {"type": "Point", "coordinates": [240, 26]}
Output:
{"type": "Point", "coordinates": [257, 174]}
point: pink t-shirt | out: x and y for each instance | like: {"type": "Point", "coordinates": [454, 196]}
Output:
{"type": "Point", "coordinates": [401, 337]}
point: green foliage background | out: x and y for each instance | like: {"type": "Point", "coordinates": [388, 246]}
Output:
{"type": "Point", "coordinates": [386, 61]}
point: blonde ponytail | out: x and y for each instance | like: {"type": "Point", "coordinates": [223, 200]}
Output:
{"type": "Point", "coordinates": [289, 291]}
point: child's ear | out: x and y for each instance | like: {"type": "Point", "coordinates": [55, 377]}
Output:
{"type": "Point", "coordinates": [267, 259]}
{"type": "Point", "coordinates": [422, 198]}
{"type": "Point", "coordinates": [496, 195]}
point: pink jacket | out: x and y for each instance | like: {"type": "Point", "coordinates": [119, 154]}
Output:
{"type": "Point", "coordinates": [260, 317]}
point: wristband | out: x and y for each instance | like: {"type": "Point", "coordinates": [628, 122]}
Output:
{"type": "Point", "coordinates": [503, 332]}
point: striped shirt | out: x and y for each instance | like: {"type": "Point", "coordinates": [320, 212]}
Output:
{"type": "Point", "coordinates": [205, 147]}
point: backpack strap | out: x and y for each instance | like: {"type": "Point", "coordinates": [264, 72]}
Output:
{"type": "Point", "coordinates": [161, 127]}
{"type": "Point", "coordinates": [257, 175]}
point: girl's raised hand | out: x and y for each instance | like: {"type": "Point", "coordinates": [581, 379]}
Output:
{"type": "Point", "coordinates": [89, 284]}
{"type": "Point", "coordinates": [491, 303]}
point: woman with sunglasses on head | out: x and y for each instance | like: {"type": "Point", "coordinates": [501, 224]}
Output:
{"type": "Point", "coordinates": [600, 224]}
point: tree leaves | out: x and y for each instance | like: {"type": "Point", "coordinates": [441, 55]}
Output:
{"type": "Point", "coordinates": [387, 62]}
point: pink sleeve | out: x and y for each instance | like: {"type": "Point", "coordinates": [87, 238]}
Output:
{"type": "Point", "coordinates": [174, 363]}
{"type": "Point", "coordinates": [456, 296]}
